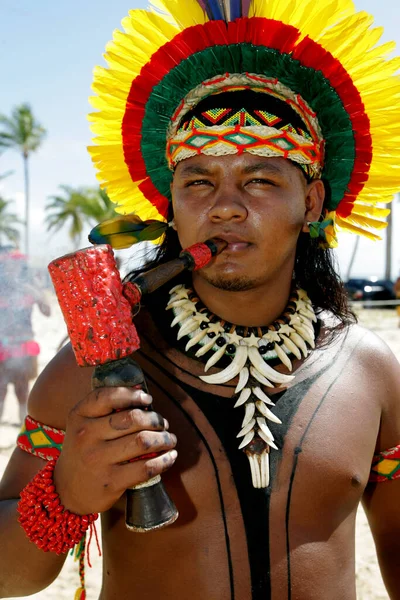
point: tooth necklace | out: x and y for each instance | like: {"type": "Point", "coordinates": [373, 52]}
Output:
{"type": "Point", "coordinates": [249, 349]}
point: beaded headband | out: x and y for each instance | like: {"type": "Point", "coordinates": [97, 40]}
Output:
{"type": "Point", "coordinates": [244, 119]}
{"type": "Point", "coordinates": [321, 57]}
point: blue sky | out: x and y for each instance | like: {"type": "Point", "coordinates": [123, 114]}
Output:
{"type": "Point", "coordinates": [47, 53]}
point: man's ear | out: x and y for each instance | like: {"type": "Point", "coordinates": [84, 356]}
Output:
{"type": "Point", "coordinates": [314, 203]}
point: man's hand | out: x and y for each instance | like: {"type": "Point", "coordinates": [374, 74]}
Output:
{"type": "Point", "coordinates": [92, 472]}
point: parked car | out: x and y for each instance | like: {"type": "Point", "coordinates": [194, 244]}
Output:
{"type": "Point", "coordinates": [371, 288]}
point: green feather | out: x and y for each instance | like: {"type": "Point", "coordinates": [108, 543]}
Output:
{"type": "Point", "coordinates": [124, 231]}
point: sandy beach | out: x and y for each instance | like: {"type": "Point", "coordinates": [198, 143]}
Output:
{"type": "Point", "coordinates": [50, 332]}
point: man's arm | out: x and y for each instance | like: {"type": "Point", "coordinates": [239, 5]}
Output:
{"type": "Point", "coordinates": [105, 430]}
{"type": "Point", "coordinates": [382, 500]}
{"type": "Point", "coordinates": [24, 569]}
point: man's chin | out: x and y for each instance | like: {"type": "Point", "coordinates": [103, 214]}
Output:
{"type": "Point", "coordinates": [230, 283]}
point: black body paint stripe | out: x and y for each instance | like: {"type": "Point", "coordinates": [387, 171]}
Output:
{"type": "Point", "coordinates": [203, 439]}
{"type": "Point", "coordinates": [298, 451]}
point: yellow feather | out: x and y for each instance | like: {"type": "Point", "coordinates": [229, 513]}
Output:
{"type": "Point", "coordinates": [310, 17]}
{"type": "Point", "coordinates": [126, 63]}
{"type": "Point", "coordinates": [368, 210]}
{"type": "Point", "coordinates": [111, 92]}
{"type": "Point", "coordinates": [112, 77]}
{"type": "Point", "coordinates": [184, 14]}
{"type": "Point", "coordinates": [345, 226]}
{"type": "Point", "coordinates": [114, 115]}
{"type": "Point", "coordinates": [150, 25]}
{"type": "Point", "coordinates": [365, 222]}
{"type": "Point", "coordinates": [341, 39]}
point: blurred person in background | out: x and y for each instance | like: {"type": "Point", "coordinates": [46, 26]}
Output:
{"type": "Point", "coordinates": [18, 350]}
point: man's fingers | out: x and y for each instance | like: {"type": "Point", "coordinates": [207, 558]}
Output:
{"type": "Point", "coordinates": [104, 401]}
{"type": "Point", "coordinates": [133, 474]}
{"type": "Point", "coordinates": [140, 444]}
{"type": "Point", "coordinates": [130, 421]}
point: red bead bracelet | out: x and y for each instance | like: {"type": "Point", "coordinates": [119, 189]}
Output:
{"type": "Point", "coordinates": [45, 520]}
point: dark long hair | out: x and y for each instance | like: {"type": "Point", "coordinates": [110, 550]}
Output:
{"type": "Point", "coordinates": [315, 272]}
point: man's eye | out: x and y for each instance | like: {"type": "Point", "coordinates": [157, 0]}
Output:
{"type": "Point", "coordinates": [198, 182]}
{"type": "Point", "coordinates": [262, 181]}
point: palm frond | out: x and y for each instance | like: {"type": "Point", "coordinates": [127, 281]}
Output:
{"type": "Point", "coordinates": [77, 208]}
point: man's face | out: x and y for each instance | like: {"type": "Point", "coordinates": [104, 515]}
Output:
{"type": "Point", "coordinates": [258, 205]}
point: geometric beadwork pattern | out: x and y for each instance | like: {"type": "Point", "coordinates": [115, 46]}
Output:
{"type": "Point", "coordinates": [386, 466]}
{"type": "Point", "coordinates": [259, 140]}
{"type": "Point", "coordinates": [40, 440]}
{"type": "Point", "coordinates": [243, 117]}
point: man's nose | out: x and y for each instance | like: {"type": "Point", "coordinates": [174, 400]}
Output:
{"type": "Point", "coordinates": [228, 205]}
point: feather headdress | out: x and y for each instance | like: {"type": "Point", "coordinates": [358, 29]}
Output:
{"type": "Point", "coordinates": [326, 54]}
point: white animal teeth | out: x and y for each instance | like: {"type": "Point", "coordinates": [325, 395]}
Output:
{"type": "Point", "coordinates": [305, 334]}
{"type": "Point", "coordinates": [247, 429]}
{"type": "Point", "coordinates": [261, 395]}
{"type": "Point", "coordinates": [291, 346]}
{"type": "Point", "coordinates": [266, 370]}
{"type": "Point", "coordinates": [260, 378]}
{"type": "Point", "coordinates": [177, 288]}
{"type": "Point", "coordinates": [266, 439]}
{"type": "Point", "coordinates": [250, 410]}
{"type": "Point", "coordinates": [244, 396]}
{"type": "Point", "coordinates": [264, 469]}
{"type": "Point", "coordinates": [176, 304]}
{"type": "Point", "coordinates": [259, 466]}
{"type": "Point", "coordinates": [215, 358]}
{"type": "Point", "coordinates": [307, 324]}
{"type": "Point", "coordinates": [308, 314]}
{"type": "Point", "coordinates": [255, 470]}
{"type": "Point", "coordinates": [232, 370]}
{"type": "Point", "coordinates": [283, 357]}
{"type": "Point", "coordinates": [264, 428]}
{"type": "Point", "coordinates": [267, 413]}
{"type": "Point", "coordinates": [187, 327]}
{"type": "Point", "coordinates": [206, 348]}
{"type": "Point", "coordinates": [181, 316]}
{"type": "Point", "coordinates": [243, 379]}
{"type": "Point", "coordinates": [195, 339]}
{"type": "Point", "coordinates": [300, 343]}
{"type": "Point", "coordinates": [247, 439]}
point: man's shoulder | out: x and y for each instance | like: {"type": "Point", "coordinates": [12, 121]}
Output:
{"type": "Point", "coordinates": [364, 341]}
{"type": "Point", "coordinates": [365, 353]}
{"type": "Point", "coordinates": [58, 389]}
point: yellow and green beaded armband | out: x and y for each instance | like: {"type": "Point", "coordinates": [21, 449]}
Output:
{"type": "Point", "coordinates": [40, 440]}
{"type": "Point", "coordinates": [386, 466]}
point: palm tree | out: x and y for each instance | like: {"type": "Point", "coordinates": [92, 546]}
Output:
{"type": "Point", "coordinates": [23, 133]}
{"type": "Point", "coordinates": [8, 221]}
{"type": "Point", "coordinates": [78, 207]}
{"type": "Point", "coordinates": [4, 175]}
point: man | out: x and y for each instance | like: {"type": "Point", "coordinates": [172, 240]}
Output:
{"type": "Point", "coordinates": [18, 350]}
{"type": "Point", "coordinates": [277, 415]}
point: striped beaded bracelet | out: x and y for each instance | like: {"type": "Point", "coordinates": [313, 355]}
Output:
{"type": "Point", "coordinates": [45, 520]}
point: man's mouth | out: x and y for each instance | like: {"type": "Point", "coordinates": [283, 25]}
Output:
{"type": "Point", "coordinates": [235, 243]}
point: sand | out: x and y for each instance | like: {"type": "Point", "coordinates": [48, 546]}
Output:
{"type": "Point", "coordinates": [50, 332]}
